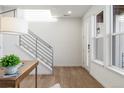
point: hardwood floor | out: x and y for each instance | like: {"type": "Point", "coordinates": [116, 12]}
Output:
{"type": "Point", "coordinates": [67, 77]}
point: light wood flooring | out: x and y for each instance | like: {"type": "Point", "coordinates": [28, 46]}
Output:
{"type": "Point", "coordinates": [67, 77]}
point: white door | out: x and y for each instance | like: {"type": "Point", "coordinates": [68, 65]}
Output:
{"type": "Point", "coordinates": [87, 43]}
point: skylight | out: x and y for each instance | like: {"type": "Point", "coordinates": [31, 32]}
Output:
{"type": "Point", "coordinates": [39, 16]}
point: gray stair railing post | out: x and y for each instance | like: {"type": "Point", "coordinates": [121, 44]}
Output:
{"type": "Point", "coordinates": [36, 49]}
{"type": "Point", "coordinates": [52, 62]}
{"type": "Point", "coordinates": [122, 60]}
{"type": "Point", "coordinates": [19, 40]}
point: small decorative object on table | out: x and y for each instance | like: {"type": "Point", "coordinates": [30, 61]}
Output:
{"type": "Point", "coordinates": [10, 63]}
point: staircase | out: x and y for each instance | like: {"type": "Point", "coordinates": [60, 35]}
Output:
{"type": "Point", "coordinates": [37, 48]}
{"type": "Point", "coordinates": [34, 45]}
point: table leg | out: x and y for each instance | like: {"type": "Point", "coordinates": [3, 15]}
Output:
{"type": "Point", "coordinates": [17, 85]}
{"type": "Point", "coordinates": [36, 77]}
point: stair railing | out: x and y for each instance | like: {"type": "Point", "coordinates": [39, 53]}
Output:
{"type": "Point", "coordinates": [38, 48]}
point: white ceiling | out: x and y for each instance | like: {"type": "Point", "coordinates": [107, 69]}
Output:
{"type": "Point", "coordinates": [56, 10]}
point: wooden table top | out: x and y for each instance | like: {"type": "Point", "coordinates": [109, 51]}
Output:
{"type": "Point", "coordinates": [25, 69]}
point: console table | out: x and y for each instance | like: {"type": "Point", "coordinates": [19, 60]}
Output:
{"type": "Point", "coordinates": [23, 72]}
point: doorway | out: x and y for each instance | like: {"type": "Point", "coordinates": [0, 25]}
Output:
{"type": "Point", "coordinates": [87, 43]}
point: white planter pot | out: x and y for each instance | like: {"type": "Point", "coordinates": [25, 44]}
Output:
{"type": "Point", "coordinates": [11, 70]}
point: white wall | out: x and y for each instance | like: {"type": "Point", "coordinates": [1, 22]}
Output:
{"type": "Point", "coordinates": [10, 46]}
{"type": "Point", "coordinates": [0, 38]}
{"type": "Point", "coordinates": [103, 74]}
{"type": "Point", "coordinates": [65, 37]}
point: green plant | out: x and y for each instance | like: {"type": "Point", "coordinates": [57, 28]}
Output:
{"type": "Point", "coordinates": [9, 60]}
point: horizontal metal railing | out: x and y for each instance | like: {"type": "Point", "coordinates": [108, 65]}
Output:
{"type": "Point", "coordinates": [38, 48]}
{"type": "Point", "coordinates": [40, 40]}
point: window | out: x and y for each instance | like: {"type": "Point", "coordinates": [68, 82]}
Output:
{"type": "Point", "coordinates": [99, 38]}
{"type": "Point", "coordinates": [118, 36]}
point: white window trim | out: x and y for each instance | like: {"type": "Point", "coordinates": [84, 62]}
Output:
{"type": "Point", "coordinates": [111, 29]}
{"type": "Point", "coordinates": [100, 36]}
{"type": "Point", "coordinates": [117, 33]}
{"type": "Point", "coordinates": [111, 67]}
{"type": "Point", "coordinates": [98, 62]}
{"type": "Point", "coordinates": [94, 60]}
{"type": "Point", "coordinates": [116, 70]}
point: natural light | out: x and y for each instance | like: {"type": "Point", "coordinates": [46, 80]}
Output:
{"type": "Point", "coordinates": [39, 16]}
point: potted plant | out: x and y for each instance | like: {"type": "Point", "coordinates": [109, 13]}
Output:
{"type": "Point", "coordinates": [10, 62]}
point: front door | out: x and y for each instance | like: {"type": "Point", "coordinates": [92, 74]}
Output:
{"type": "Point", "coordinates": [87, 43]}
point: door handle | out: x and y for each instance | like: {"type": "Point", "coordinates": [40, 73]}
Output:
{"type": "Point", "coordinates": [88, 46]}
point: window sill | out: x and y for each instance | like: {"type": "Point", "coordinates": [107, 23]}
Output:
{"type": "Point", "coordinates": [99, 36]}
{"type": "Point", "coordinates": [116, 70]}
{"type": "Point", "coordinates": [98, 62]}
